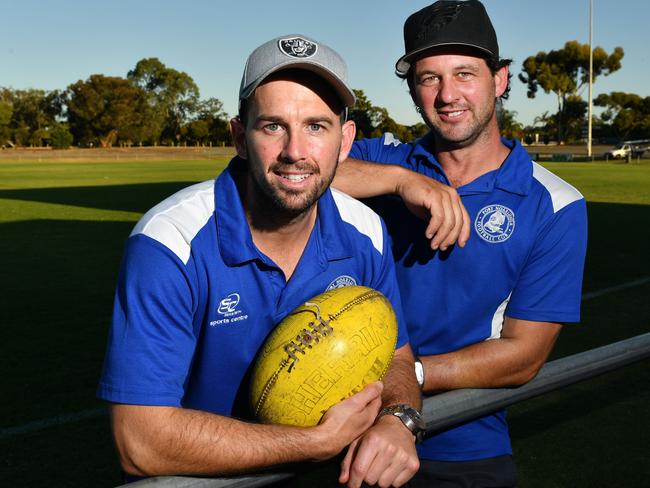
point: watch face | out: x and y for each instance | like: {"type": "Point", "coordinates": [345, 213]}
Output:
{"type": "Point", "coordinates": [415, 417]}
{"type": "Point", "coordinates": [410, 417]}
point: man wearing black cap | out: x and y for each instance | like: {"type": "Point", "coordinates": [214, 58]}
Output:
{"type": "Point", "coordinates": [487, 314]}
{"type": "Point", "coordinates": [210, 271]}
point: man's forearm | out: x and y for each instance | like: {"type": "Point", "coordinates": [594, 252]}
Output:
{"type": "Point", "coordinates": [400, 384]}
{"type": "Point", "coordinates": [483, 365]}
{"type": "Point", "coordinates": [362, 179]}
{"type": "Point", "coordinates": [169, 440]}
{"type": "Point", "coordinates": [166, 440]}
{"type": "Point", "coordinates": [511, 360]}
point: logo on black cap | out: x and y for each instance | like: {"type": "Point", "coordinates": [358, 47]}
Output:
{"type": "Point", "coordinates": [441, 14]}
{"type": "Point", "coordinates": [297, 47]}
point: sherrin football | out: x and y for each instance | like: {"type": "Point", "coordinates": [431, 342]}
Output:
{"type": "Point", "coordinates": [323, 352]}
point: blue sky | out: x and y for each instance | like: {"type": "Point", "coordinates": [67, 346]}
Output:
{"type": "Point", "coordinates": [51, 44]}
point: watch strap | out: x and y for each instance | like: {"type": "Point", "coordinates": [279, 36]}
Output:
{"type": "Point", "coordinates": [410, 417]}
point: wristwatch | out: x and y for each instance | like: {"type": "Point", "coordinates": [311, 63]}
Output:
{"type": "Point", "coordinates": [419, 372]}
{"type": "Point", "coordinates": [409, 416]}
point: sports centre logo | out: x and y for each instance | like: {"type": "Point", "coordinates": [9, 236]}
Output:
{"type": "Point", "coordinates": [228, 305]}
{"type": "Point", "coordinates": [228, 309]}
{"type": "Point", "coordinates": [495, 223]}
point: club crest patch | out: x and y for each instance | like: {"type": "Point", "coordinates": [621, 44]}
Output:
{"type": "Point", "coordinates": [297, 47]}
{"type": "Point", "coordinates": [495, 223]}
{"type": "Point", "coordinates": [340, 282]}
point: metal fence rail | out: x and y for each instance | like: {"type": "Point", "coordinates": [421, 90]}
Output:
{"type": "Point", "coordinates": [447, 409]}
{"type": "Point", "coordinates": [454, 407]}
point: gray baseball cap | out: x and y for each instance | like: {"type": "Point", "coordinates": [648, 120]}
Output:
{"type": "Point", "coordinates": [296, 51]}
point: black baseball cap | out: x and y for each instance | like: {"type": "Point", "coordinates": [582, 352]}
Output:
{"type": "Point", "coordinates": [448, 23]}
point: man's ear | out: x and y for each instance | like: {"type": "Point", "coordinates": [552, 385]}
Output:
{"type": "Point", "coordinates": [238, 133]}
{"type": "Point", "coordinates": [348, 130]}
{"type": "Point", "coordinates": [500, 81]}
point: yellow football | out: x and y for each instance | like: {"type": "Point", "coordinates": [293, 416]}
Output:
{"type": "Point", "coordinates": [323, 352]}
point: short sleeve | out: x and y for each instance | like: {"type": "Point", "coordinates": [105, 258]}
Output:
{"type": "Point", "coordinates": [151, 342]}
{"type": "Point", "coordinates": [550, 285]}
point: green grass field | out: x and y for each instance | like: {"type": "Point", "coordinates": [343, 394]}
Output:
{"type": "Point", "coordinates": [62, 228]}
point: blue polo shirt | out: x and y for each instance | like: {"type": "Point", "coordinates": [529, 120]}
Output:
{"type": "Point", "coordinates": [524, 260]}
{"type": "Point", "coordinates": [196, 299]}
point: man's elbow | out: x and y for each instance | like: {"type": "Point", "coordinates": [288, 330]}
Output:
{"type": "Point", "coordinates": [526, 373]}
{"type": "Point", "coordinates": [136, 457]}
{"type": "Point", "coordinates": [135, 448]}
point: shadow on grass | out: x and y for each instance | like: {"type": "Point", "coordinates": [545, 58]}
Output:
{"type": "Point", "coordinates": [582, 399]}
{"type": "Point", "coordinates": [591, 434]}
{"type": "Point", "coordinates": [618, 243]}
{"type": "Point", "coordinates": [131, 198]}
{"type": "Point", "coordinates": [58, 280]}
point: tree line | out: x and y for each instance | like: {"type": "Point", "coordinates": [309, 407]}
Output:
{"type": "Point", "coordinates": [157, 105]}
{"type": "Point", "coordinates": [152, 105]}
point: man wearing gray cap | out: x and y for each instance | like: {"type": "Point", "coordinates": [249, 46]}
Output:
{"type": "Point", "coordinates": [485, 315]}
{"type": "Point", "coordinates": [209, 272]}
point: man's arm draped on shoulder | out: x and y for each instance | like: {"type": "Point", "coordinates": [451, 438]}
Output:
{"type": "Point", "coordinates": [172, 440]}
{"type": "Point", "coordinates": [430, 200]}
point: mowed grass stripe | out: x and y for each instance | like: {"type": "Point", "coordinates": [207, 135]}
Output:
{"type": "Point", "coordinates": [21, 211]}
{"type": "Point", "coordinates": [607, 182]}
{"type": "Point", "coordinates": [51, 174]}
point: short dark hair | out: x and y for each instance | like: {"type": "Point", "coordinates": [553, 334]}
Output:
{"type": "Point", "coordinates": [242, 115]}
{"type": "Point", "coordinates": [495, 65]}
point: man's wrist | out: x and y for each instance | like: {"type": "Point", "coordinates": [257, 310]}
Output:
{"type": "Point", "coordinates": [400, 176]}
{"type": "Point", "coordinates": [409, 416]}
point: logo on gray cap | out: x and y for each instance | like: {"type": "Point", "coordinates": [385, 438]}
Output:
{"type": "Point", "coordinates": [296, 51]}
{"type": "Point", "coordinates": [297, 47]}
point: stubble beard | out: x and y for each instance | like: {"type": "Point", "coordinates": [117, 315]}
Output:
{"type": "Point", "coordinates": [449, 139]}
{"type": "Point", "coordinates": [277, 206]}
